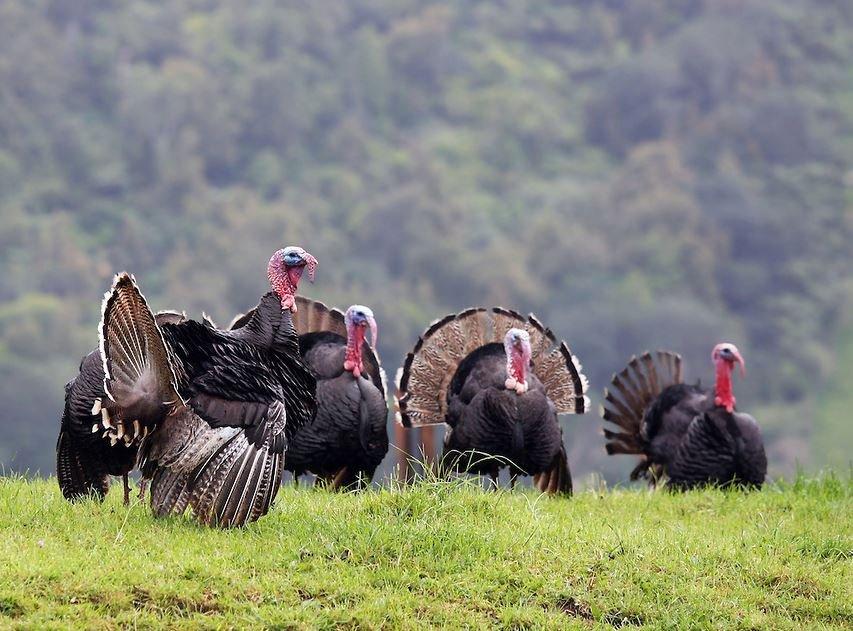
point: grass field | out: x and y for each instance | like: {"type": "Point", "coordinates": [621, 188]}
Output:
{"type": "Point", "coordinates": [438, 554]}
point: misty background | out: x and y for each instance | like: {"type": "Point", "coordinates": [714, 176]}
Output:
{"type": "Point", "coordinates": [638, 173]}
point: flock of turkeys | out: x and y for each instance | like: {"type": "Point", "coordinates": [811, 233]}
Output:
{"type": "Point", "coordinates": [213, 417]}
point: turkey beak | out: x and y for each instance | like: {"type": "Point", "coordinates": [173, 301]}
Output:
{"type": "Point", "coordinates": [374, 331]}
{"type": "Point", "coordinates": [739, 360]}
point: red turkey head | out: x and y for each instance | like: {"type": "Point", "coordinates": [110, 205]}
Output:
{"type": "Point", "coordinates": [285, 271]}
{"type": "Point", "coordinates": [518, 352]}
{"type": "Point", "coordinates": [358, 319]}
{"type": "Point", "coordinates": [728, 353]}
{"type": "Point", "coordinates": [725, 356]}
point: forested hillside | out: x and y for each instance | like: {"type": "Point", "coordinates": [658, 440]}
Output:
{"type": "Point", "coordinates": [640, 173]}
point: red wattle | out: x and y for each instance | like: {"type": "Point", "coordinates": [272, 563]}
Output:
{"type": "Point", "coordinates": [284, 282]}
{"type": "Point", "coordinates": [723, 395]}
{"type": "Point", "coordinates": [352, 358]}
{"type": "Point", "coordinates": [518, 368]}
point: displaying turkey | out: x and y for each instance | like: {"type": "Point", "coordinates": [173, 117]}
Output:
{"type": "Point", "coordinates": [348, 437]}
{"type": "Point", "coordinates": [498, 380]}
{"type": "Point", "coordinates": [690, 435]}
{"type": "Point", "coordinates": [211, 411]}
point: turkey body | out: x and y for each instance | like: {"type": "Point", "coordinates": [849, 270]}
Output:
{"type": "Point", "coordinates": [247, 394]}
{"type": "Point", "coordinates": [696, 442]}
{"type": "Point", "coordinates": [498, 380]}
{"type": "Point", "coordinates": [348, 437]}
{"type": "Point", "coordinates": [485, 418]}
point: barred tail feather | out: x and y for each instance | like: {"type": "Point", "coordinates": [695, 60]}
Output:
{"type": "Point", "coordinates": [630, 393]}
{"type": "Point", "coordinates": [138, 370]}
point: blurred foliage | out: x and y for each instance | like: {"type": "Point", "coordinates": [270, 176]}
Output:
{"type": "Point", "coordinates": [640, 173]}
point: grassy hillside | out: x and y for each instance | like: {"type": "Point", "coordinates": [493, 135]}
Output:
{"type": "Point", "coordinates": [438, 554]}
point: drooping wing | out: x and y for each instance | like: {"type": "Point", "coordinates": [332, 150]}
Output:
{"type": "Point", "coordinates": [230, 382]}
{"type": "Point", "coordinates": [227, 477]}
{"type": "Point", "coordinates": [557, 479]}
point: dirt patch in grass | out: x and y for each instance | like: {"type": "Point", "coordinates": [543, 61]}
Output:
{"type": "Point", "coordinates": [572, 607]}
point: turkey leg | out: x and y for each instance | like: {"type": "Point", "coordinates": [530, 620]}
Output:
{"type": "Point", "coordinates": [126, 489]}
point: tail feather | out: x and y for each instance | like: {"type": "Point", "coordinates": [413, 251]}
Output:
{"type": "Point", "coordinates": [78, 477]}
{"type": "Point", "coordinates": [312, 316]}
{"type": "Point", "coordinates": [168, 316]}
{"type": "Point", "coordinates": [557, 479]}
{"type": "Point", "coordinates": [630, 393]}
{"type": "Point", "coordinates": [138, 370]}
{"type": "Point", "coordinates": [421, 397]}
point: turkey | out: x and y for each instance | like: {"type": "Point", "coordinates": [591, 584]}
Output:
{"type": "Point", "coordinates": [210, 411]}
{"type": "Point", "coordinates": [348, 437]}
{"type": "Point", "coordinates": [688, 434]}
{"type": "Point", "coordinates": [498, 380]}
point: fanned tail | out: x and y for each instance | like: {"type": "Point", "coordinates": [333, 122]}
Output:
{"type": "Point", "coordinates": [629, 395]}
{"type": "Point", "coordinates": [427, 371]}
{"type": "Point", "coordinates": [557, 480]}
{"type": "Point", "coordinates": [139, 376]}
{"type": "Point", "coordinates": [313, 316]}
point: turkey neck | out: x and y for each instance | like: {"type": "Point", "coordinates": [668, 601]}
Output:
{"type": "Point", "coordinates": [515, 365]}
{"type": "Point", "coordinates": [355, 338]}
{"type": "Point", "coordinates": [723, 395]}
{"type": "Point", "coordinates": [271, 326]}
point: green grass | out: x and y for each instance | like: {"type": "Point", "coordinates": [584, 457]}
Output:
{"type": "Point", "coordinates": [437, 554]}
